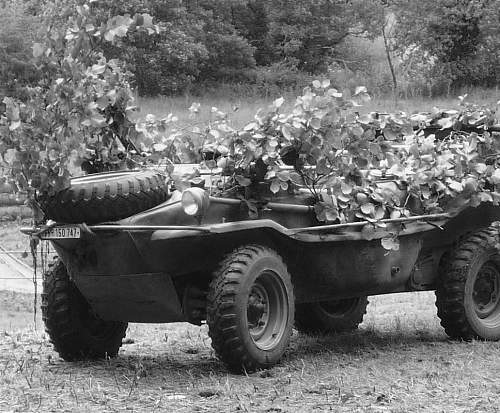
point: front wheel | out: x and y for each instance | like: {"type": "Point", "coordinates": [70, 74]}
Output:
{"type": "Point", "coordinates": [468, 290]}
{"type": "Point", "coordinates": [335, 316]}
{"type": "Point", "coordinates": [250, 309]}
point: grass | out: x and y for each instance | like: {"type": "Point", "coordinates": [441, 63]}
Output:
{"type": "Point", "coordinates": [240, 111]}
{"type": "Point", "coordinates": [399, 361]}
{"type": "Point", "coordinates": [246, 108]}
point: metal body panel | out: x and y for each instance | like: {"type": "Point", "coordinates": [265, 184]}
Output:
{"type": "Point", "coordinates": [149, 297]}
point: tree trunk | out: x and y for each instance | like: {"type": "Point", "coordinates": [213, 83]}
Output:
{"type": "Point", "coordinates": [391, 65]}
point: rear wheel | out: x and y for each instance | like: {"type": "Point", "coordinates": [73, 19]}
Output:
{"type": "Point", "coordinates": [468, 290]}
{"type": "Point", "coordinates": [250, 309]}
{"type": "Point", "coordinates": [74, 329]}
{"type": "Point", "coordinates": [333, 316]}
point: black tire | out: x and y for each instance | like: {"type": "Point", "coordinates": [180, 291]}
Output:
{"type": "Point", "coordinates": [334, 316]}
{"type": "Point", "coordinates": [105, 196]}
{"type": "Point", "coordinates": [74, 330]}
{"type": "Point", "coordinates": [468, 288]}
{"type": "Point", "coordinates": [250, 309]}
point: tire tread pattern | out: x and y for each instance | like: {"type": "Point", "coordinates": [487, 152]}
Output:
{"type": "Point", "coordinates": [106, 200]}
{"type": "Point", "coordinates": [450, 291]}
{"type": "Point", "coordinates": [222, 312]}
{"type": "Point", "coordinates": [309, 320]}
{"type": "Point", "coordinates": [61, 302]}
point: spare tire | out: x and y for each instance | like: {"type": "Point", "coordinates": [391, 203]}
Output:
{"type": "Point", "coordinates": [105, 196]}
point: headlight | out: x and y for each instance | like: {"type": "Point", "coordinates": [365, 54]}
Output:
{"type": "Point", "coordinates": [195, 201]}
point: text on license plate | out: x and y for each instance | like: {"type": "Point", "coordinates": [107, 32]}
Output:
{"type": "Point", "coordinates": [61, 233]}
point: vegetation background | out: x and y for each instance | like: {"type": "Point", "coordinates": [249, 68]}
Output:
{"type": "Point", "coordinates": [242, 48]}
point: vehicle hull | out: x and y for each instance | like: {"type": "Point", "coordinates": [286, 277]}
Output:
{"type": "Point", "coordinates": [142, 275]}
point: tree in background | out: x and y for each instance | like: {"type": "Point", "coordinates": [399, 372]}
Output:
{"type": "Point", "coordinates": [310, 31]}
{"type": "Point", "coordinates": [277, 45]}
{"type": "Point", "coordinates": [18, 30]}
{"type": "Point", "coordinates": [197, 43]}
{"type": "Point", "coordinates": [456, 41]}
{"type": "Point", "coordinates": [225, 40]}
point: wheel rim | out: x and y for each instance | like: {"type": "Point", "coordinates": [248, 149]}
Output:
{"type": "Point", "coordinates": [338, 308]}
{"type": "Point", "coordinates": [485, 293]}
{"type": "Point", "coordinates": [267, 310]}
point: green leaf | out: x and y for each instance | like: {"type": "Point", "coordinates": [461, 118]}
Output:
{"type": "Point", "coordinates": [390, 134]}
{"type": "Point", "coordinates": [315, 123]}
{"type": "Point", "coordinates": [331, 214]}
{"type": "Point", "coordinates": [379, 213]}
{"type": "Point", "coordinates": [395, 214]}
{"type": "Point", "coordinates": [275, 186]}
{"type": "Point", "coordinates": [343, 198]}
{"type": "Point", "coordinates": [278, 102]}
{"type": "Point", "coordinates": [456, 186]}
{"type": "Point", "coordinates": [357, 131]}
{"type": "Point", "coordinates": [169, 167]}
{"type": "Point", "coordinates": [446, 123]}
{"type": "Point", "coordinates": [38, 50]}
{"type": "Point", "coordinates": [368, 208]}
{"type": "Point", "coordinates": [346, 188]}
{"type": "Point", "coordinates": [251, 126]}
{"type": "Point", "coordinates": [495, 177]}
{"type": "Point", "coordinates": [242, 180]}
{"type": "Point", "coordinates": [296, 178]}
{"type": "Point", "coordinates": [368, 232]}
{"type": "Point", "coordinates": [10, 156]}
{"type": "Point", "coordinates": [360, 89]}
{"type": "Point", "coordinates": [390, 243]}
{"type": "Point", "coordinates": [283, 176]}
{"type": "Point", "coordinates": [485, 197]}
{"type": "Point", "coordinates": [326, 212]}
{"type": "Point", "coordinates": [322, 167]}
{"type": "Point", "coordinates": [98, 69]}
{"type": "Point", "coordinates": [14, 125]}
{"type": "Point", "coordinates": [334, 138]}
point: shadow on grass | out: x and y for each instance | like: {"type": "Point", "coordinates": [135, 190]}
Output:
{"type": "Point", "coordinates": [361, 340]}
{"type": "Point", "coordinates": [184, 368]}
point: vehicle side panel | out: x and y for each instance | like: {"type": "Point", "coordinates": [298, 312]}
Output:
{"type": "Point", "coordinates": [139, 275]}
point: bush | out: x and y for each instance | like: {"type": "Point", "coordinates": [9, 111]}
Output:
{"type": "Point", "coordinates": [167, 65]}
{"type": "Point", "coordinates": [281, 77]}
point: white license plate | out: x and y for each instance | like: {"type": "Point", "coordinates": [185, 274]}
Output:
{"type": "Point", "coordinates": [61, 233]}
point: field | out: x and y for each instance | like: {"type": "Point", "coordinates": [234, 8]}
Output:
{"type": "Point", "coordinates": [398, 361]}
{"type": "Point", "coordinates": [242, 110]}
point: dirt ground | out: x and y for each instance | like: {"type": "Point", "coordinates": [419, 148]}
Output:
{"type": "Point", "coordinates": [399, 361]}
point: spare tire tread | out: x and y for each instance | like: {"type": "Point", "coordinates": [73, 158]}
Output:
{"type": "Point", "coordinates": [106, 199]}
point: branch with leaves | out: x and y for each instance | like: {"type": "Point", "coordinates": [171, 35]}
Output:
{"type": "Point", "coordinates": [363, 167]}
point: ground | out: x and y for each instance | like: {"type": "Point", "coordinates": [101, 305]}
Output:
{"type": "Point", "coordinates": [400, 360]}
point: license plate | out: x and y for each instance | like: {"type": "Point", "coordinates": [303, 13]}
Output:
{"type": "Point", "coordinates": [61, 233]}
